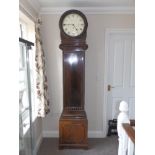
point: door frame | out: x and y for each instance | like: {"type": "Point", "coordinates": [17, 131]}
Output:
{"type": "Point", "coordinates": [108, 32]}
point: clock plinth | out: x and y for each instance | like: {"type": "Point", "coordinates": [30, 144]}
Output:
{"type": "Point", "coordinates": [73, 130]}
{"type": "Point", "coordinates": [73, 123]}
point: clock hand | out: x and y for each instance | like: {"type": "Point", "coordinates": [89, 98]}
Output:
{"type": "Point", "coordinates": [68, 24]}
{"type": "Point", "coordinates": [75, 27]}
{"type": "Point", "coordinates": [72, 25]}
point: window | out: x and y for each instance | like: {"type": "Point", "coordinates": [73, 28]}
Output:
{"type": "Point", "coordinates": [23, 90]}
{"type": "Point", "coordinates": [27, 32]}
{"type": "Point", "coordinates": [23, 31]}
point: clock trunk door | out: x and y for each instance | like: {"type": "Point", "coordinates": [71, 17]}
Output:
{"type": "Point", "coordinates": [73, 70]}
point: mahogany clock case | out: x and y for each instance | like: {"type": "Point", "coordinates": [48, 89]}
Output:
{"type": "Point", "coordinates": [73, 123]}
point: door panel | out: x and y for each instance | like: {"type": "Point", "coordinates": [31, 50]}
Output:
{"type": "Point", "coordinates": [117, 68]}
{"type": "Point", "coordinates": [121, 73]}
{"type": "Point", "coordinates": [131, 107]}
{"type": "Point", "coordinates": [115, 106]}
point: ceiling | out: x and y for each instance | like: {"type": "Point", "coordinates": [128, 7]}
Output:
{"type": "Point", "coordinates": [43, 5]}
{"type": "Point", "coordinates": [85, 3]}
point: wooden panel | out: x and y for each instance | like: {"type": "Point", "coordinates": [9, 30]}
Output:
{"type": "Point", "coordinates": [73, 79]}
{"type": "Point", "coordinates": [130, 131]}
{"type": "Point", "coordinates": [73, 133]}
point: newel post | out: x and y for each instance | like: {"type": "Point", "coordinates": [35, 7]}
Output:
{"type": "Point", "coordinates": [122, 136]}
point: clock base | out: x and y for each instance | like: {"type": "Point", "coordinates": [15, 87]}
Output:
{"type": "Point", "coordinates": [73, 131]}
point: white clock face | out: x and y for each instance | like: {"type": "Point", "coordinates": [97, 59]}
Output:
{"type": "Point", "coordinates": [73, 24]}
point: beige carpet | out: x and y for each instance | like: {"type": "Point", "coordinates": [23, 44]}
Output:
{"type": "Point", "coordinates": [97, 146]}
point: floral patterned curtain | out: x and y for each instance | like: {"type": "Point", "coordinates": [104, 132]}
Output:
{"type": "Point", "coordinates": [41, 80]}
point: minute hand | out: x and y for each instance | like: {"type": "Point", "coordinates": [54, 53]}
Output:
{"type": "Point", "coordinates": [75, 27]}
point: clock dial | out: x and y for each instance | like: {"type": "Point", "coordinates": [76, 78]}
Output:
{"type": "Point", "coordinates": [73, 24]}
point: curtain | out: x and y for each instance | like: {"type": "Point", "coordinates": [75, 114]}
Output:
{"type": "Point", "coordinates": [41, 78]}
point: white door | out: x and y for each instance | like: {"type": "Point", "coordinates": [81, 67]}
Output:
{"type": "Point", "coordinates": [120, 72]}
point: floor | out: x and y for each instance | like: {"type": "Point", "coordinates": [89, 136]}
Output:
{"type": "Point", "coordinates": [97, 146]}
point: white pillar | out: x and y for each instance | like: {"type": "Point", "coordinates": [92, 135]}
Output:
{"type": "Point", "coordinates": [122, 118]}
{"type": "Point", "coordinates": [130, 147]}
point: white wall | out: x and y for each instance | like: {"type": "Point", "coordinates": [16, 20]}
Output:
{"type": "Point", "coordinates": [94, 68]}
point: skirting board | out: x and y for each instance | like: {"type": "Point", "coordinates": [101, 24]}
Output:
{"type": "Point", "coordinates": [91, 134]}
{"type": "Point", "coordinates": [36, 147]}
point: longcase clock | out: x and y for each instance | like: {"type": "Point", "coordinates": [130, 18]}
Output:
{"type": "Point", "coordinates": [73, 123]}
